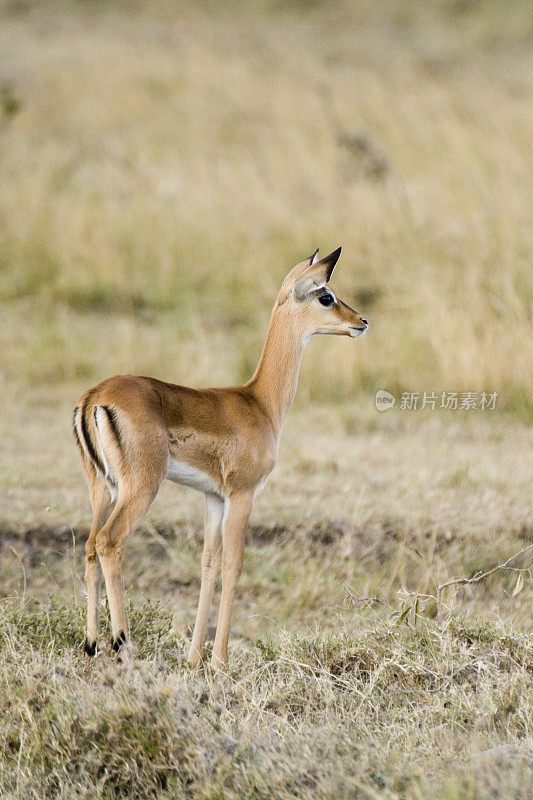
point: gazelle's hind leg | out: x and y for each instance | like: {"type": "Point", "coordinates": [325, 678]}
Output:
{"type": "Point", "coordinates": [102, 505]}
{"type": "Point", "coordinates": [132, 504]}
{"type": "Point", "coordinates": [135, 462]}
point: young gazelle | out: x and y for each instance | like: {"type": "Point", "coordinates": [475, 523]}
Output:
{"type": "Point", "coordinates": [133, 432]}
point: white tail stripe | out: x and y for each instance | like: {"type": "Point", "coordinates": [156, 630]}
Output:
{"type": "Point", "coordinates": [101, 421]}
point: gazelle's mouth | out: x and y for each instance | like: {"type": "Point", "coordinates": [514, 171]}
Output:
{"type": "Point", "coordinates": [357, 331]}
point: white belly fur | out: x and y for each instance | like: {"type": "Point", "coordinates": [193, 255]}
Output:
{"type": "Point", "coordinates": [180, 472]}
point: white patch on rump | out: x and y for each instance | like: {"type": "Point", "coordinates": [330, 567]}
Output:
{"type": "Point", "coordinates": [181, 472]}
{"type": "Point", "coordinates": [101, 419]}
{"type": "Point", "coordinates": [109, 478]}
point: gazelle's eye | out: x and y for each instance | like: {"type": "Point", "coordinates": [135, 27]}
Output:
{"type": "Point", "coordinates": [326, 299]}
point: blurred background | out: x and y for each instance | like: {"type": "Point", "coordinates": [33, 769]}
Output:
{"type": "Point", "coordinates": [164, 165]}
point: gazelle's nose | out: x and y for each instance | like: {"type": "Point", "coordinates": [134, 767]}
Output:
{"type": "Point", "coordinates": [364, 321]}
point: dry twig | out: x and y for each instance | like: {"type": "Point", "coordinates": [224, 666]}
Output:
{"type": "Point", "coordinates": [417, 602]}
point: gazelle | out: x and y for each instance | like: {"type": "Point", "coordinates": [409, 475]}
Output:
{"type": "Point", "coordinates": [133, 432]}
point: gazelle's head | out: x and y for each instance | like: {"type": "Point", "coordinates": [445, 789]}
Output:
{"type": "Point", "coordinates": [306, 295]}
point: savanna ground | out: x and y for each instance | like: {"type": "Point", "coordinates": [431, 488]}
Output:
{"type": "Point", "coordinates": [162, 168]}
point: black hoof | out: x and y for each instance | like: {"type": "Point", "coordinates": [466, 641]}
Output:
{"type": "Point", "coordinates": [89, 649]}
{"type": "Point", "coordinates": [117, 643]}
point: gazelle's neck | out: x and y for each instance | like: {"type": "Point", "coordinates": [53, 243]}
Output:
{"type": "Point", "coordinates": [276, 377]}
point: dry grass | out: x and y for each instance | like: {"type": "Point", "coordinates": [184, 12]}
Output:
{"type": "Point", "coordinates": [321, 695]}
{"type": "Point", "coordinates": [376, 501]}
{"type": "Point", "coordinates": [388, 713]}
{"type": "Point", "coordinates": [161, 169]}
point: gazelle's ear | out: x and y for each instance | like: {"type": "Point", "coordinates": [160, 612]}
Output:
{"type": "Point", "coordinates": [299, 269]}
{"type": "Point", "coordinates": [293, 276]}
{"type": "Point", "coordinates": [316, 274]}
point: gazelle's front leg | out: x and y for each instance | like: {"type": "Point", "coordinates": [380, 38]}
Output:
{"type": "Point", "coordinates": [236, 519]}
{"type": "Point", "coordinates": [211, 558]}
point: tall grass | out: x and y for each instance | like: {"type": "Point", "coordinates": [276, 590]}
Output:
{"type": "Point", "coordinates": [163, 168]}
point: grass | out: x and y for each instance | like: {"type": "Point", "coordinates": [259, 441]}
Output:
{"type": "Point", "coordinates": [329, 715]}
{"type": "Point", "coordinates": [162, 169]}
{"type": "Point", "coordinates": [322, 694]}
{"type": "Point", "coordinates": [374, 500]}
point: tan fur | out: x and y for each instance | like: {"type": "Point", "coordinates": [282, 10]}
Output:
{"type": "Point", "coordinates": [129, 426]}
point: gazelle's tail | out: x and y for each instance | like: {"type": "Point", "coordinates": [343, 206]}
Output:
{"type": "Point", "coordinates": [97, 433]}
